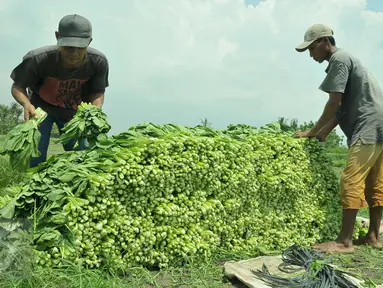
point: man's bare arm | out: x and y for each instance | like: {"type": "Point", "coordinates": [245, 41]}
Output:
{"type": "Point", "coordinates": [97, 99]}
{"type": "Point", "coordinates": [326, 130]}
{"type": "Point", "coordinates": [20, 95]}
{"type": "Point", "coordinates": [329, 113]}
{"type": "Point", "coordinates": [329, 126]}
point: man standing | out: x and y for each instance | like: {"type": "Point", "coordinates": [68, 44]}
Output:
{"type": "Point", "coordinates": [356, 104]}
{"type": "Point", "coordinates": [60, 77]}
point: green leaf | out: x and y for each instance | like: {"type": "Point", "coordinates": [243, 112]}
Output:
{"type": "Point", "coordinates": [19, 143]}
{"type": "Point", "coordinates": [30, 135]}
{"type": "Point", "coordinates": [81, 126]}
{"type": "Point", "coordinates": [97, 122]}
{"type": "Point", "coordinates": [59, 219]}
{"type": "Point", "coordinates": [26, 126]}
{"type": "Point", "coordinates": [36, 141]}
{"type": "Point", "coordinates": [48, 235]}
{"type": "Point", "coordinates": [10, 225]}
{"type": "Point", "coordinates": [20, 160]}
{"type": "Point", "coordinates": [56, 195]}
{"type": "Point", "coordinates": [82, 188]}
{"type": "Point", "coordinates": [8, 210]}
{"type": "Point", "coordinates": [29, 200]}
{"type": "Point", "coordinates": [67, 177]}
{"type": "Point", "coordinates": [26, 193]}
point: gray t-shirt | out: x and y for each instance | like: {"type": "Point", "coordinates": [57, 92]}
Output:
{"type": "Point", "coordinates": [360, 115]}
{"type": "Point", "coordinates": [56, 90]}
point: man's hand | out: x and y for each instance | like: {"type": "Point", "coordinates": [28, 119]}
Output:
{"type": "Point", "coordinates": [321, 136]}
{"type": "Point", "coordinates": [306, 133]}
{"type": "Point", "coordinates": [29, 110]}
{"type": "Point", "coordinates": [21, 96]}
{"type": "Point", "coordinates": [326, 130]}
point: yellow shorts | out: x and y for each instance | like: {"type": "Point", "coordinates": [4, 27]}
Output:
{"type": "Point", "coordinates": [361, 181]}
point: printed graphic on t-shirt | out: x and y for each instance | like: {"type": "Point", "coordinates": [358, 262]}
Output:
{"type": "Point", "coordinates": [62, 93]}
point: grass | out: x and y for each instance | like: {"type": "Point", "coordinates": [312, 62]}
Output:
{"type": "Point", "coordinates": [23, 274]}
{"type": "Point", "coordinates": [366, 262]}
{"type": "Point", "coordinates": [54, 147]}
{"type": "Point", "coordinates": [7, 175]}
{"type": "Point", "coordinates": [73, 276]}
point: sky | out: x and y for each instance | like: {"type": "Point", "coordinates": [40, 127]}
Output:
{"type": "Point", "coordinates": [177, 61]}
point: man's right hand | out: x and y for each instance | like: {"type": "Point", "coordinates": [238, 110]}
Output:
{"type": "Point", "coordinates": [322, 135]}
{"type": "Point", "coordinates": [29, 110]}
{"type": "Point", "coordinates": [321, 138]}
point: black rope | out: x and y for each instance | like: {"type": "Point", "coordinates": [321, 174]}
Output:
{"type": "Point", "coordinates": [316, 271]}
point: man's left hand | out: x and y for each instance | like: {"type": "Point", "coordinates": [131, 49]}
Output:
{"type": "Point", "coordinates": [306, 133]}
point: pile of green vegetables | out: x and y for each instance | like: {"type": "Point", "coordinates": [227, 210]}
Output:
{"type": "Point", "coordinates": [155, 194]}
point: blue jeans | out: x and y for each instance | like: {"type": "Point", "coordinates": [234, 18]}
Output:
{"type": "Point", "coordinates": [45, 129]}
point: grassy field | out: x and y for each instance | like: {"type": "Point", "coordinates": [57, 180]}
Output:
{"type": "Point", "coordinates": [366, 263]}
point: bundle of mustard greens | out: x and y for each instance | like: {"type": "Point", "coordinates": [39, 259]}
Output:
{"type": "Point", "coordinates": [88, 123]}
{"type": "Point", "coordinates": [22, 142]}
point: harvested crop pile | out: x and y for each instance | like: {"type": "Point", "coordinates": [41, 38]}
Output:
{"type": "Point", "coordinates": [158, 193]}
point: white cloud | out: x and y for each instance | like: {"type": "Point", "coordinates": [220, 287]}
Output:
{"type": "Point", "coordinates": [180, 60]}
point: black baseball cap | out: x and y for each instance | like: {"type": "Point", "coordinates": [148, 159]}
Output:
{"type": "Point", "coordinates": [74, 31]}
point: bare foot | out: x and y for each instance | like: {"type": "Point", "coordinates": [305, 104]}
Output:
{"type": "Point", "coordinates": [368, 240]}
{"type": "Point", "coordinates": [333, 247]}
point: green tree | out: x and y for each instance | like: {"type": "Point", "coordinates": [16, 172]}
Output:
{"type": "Point", "coordinates": [10, 116]}
{"type": "Point", "coordinates": [288, 124]}
{"type": "Point", "coordinates": [205, 123]}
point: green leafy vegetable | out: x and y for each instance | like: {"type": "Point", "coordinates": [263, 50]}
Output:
{"type": "Point", "coordinates": [88, 123]}
{"type": "Point", "coordinates": [22, 142]}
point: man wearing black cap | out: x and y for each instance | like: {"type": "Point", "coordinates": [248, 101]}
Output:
{"type": "Point", "coordinates": [60, 77]}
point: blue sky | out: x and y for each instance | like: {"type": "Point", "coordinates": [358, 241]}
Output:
{"type": "Point", "coordinates": [373, 5]}
{"type": "Point", "coordinates": [177, 61]}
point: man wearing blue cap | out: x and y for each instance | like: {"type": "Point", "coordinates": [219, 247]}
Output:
{"type": "Point", "coordinates": [60, 77]}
